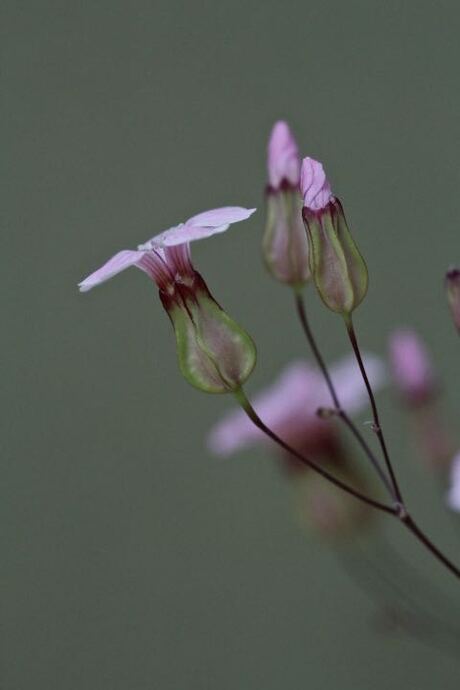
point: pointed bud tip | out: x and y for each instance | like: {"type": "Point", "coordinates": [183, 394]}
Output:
{"type": "Point", "coordinates": [283, 160]}
{"type": "Point", "coordinates": [314, 186]}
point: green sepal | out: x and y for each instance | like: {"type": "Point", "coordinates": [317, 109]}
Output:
{"type": "Point", "coordinates": [285, 244]}
{"type": "Point", "coordinates": [338, 268]}
{"type": "Point", "coordinates": [215, 354]}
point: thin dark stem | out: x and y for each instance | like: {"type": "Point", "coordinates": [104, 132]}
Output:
{"type": "Point", "coordinates": [254, 417]}
{"type": "Point", "coordinates": [397, 511]}
{"type": "Point", "coordinates": [375, 414]}
{"type": "Point", "coordinates": [421, 536]}
{"type": "Point", "coordinates": [302, 313]}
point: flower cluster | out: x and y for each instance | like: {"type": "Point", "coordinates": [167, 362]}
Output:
{"type": "Point", "coordinates": [306, 239]}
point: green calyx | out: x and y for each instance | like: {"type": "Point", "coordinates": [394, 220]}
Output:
{"type": "Point", "coordinates": [284, 244]}
{"type": "Point", "coordinates": [215, 354]}
{"type": "Point", "coordinates": [338, 269]}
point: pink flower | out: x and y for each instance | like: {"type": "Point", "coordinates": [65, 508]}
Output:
{"type": "Point", "coordinates": [215, 354]}
{"type": "Point", "coordinates": [453, 495]}
{"type": "Point", "coordinates": [167, 255]}
{"type": "Point", "coordinates": [283, 160]}
{"type": "Point", "coordinates": [411, 365]}
{"type": "Point", "coordinates": [289, 406]}
{"type": "Point", "coordinates": [315, 188]}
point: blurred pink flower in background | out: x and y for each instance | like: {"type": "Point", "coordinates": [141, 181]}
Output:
{"type": "Point", "coordinates": [411, 366]}
{"type": "Point", "coordinates": [416, 381]}
{"type": "Point", "coordinates": [453, 495]}
{"type": "Point", "coordinates": [289, 407]}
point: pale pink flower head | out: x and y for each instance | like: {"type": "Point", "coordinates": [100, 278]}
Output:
{"type": "Point", "coordinates": [411, 365]}
{"type": "Point", "coordinates": [289, 406]}
{"type": "Point", "coordinates": [166, 257]}
{"type": "Point", "coordinates": [283, 160]}
{"type": "Point", "coordinates": [314, 186]}
{"type": "Point", "coordinates": [215, 354]}
{"type": "Point", "coordinates": [453, 495]}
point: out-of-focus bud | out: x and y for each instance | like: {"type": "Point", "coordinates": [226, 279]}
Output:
{"type": "Point", "coordinates": [328, 511]}
{"type": "Point", "coordinates": [284, 245]}
{"type": "Point", "coordinates": [416, 381]}
{"type": "Point", "coordinates": [453, 294]}
{"type": "Point", "coordinates": [453, 494]}
{"type": "Point", "coordinates": [338, 269]}
{"type": "Point", "coordinates": [411, 366]}
{"type": "Point", "coordinates": [215, 354]}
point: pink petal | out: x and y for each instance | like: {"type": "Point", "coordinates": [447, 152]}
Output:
{"type": "Point", "coordinates": [315, 188]}
{"type": "Point", "coordinates": [283, 159]}
{"type": "Point", "coordinates": [201, 226]}
{"type": "Point", "coordinates": [184, 233]}
{"type": "Point", "coordinates": [116, 264]}
{"type": "Point", "coordinates": [221, 216]}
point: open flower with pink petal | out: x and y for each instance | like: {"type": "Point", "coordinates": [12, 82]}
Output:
{"type": "Point", "coordinates": [152, 258]}
{"type": "Point", "coordinates": [215, 354]}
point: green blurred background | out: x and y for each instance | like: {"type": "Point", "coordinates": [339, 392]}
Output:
{"type": "Point", "coordinates": [130, 557]}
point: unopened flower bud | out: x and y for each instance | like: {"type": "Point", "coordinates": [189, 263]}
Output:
{"type": "Point", "coordinates": [417, 383]}
{"type": "Point", "coordinates": [453, 494]}
{"type": "Point", "coordinates": [338, 269]}
{"type": "Point", "coordinates": [285, 245]}
{"type": "Point", "coordinates": [453, 294]}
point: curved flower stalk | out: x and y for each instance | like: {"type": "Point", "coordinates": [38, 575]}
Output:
{"type": "Point", "coordinates": [290, 408]}
{"type": "Point", "coordinates": [215, 354]}
{"type": "Point", "coordinates": [284, 244]}
{"type": "Point", "coordinates": [416, 381]}
{"type": "Point", "coordinates": [338, 269]}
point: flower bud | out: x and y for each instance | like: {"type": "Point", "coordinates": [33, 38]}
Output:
{"type": "Point", "coordinates": [338, 269]}
{"type": "Point", "coordinates": [453, 294]}
{"type": "Point", "coordinates": [411, 366]}
{"type": "Point", "coordinates": [453, 494]}
{"type": "Point", "coordinates": [416, 381]}
{"type": "Point", "coordinates": [215, 354]}
{"type": "Point", "coordinates": [285, 245]}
